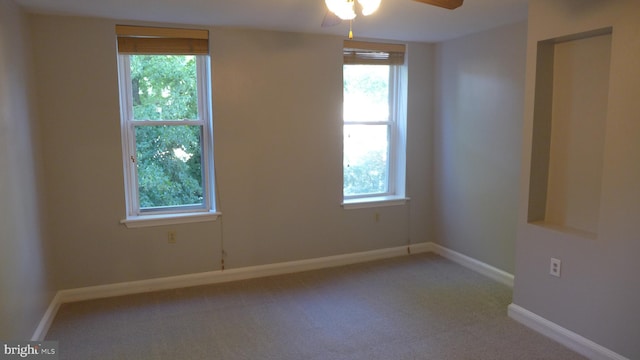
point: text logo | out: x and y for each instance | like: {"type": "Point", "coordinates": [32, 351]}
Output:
{"type": "Point", "coordinates": [29, 350]}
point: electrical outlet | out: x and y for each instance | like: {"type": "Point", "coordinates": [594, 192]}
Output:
{"type": "Point", "coordinates": [554, 267]}
{"type": "Point", "coordinates": [171, 237]}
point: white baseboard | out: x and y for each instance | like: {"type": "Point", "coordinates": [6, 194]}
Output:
{"type": "Point", "coordinates": [568, 338]}
{"type": "Point", "coordinates": [47, 319]}
{"type": "Point", "coordinates": [219, 276]}
{"type": "Point", "coordinates": [213, 277]}
{"type": "Point", "coordinates": [475, 265]}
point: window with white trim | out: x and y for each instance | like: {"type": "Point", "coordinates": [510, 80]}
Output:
{"type": "Point", "coordinates": [166, 122]}
{"type": "Point", "coordinates": [374, 123]}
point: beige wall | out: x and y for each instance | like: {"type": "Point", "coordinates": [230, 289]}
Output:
{"type": "Point", "coordinates": [477, 143]}
{"type": "Point", "coordinates": [25, 287]}
{"type": "Point", "coordinates": [598, 293]}
{"type": "Point", "coordinates": [278, 152]}
{"type": "Point", "coordinates": [579, 111]}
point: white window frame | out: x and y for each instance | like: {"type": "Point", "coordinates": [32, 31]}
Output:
{"type": "Point", "coordinates": [396, 172]}
{"type": "Point", "coordinates": [137, 217]}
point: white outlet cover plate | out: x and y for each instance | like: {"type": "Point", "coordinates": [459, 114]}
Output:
{"type": "Point", "coordinates": [554, 267]}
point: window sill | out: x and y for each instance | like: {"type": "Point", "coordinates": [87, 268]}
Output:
{"type": "Point", "coordinates": [377, 201]}
{"type": "Point", "coordinates": [168, 219]}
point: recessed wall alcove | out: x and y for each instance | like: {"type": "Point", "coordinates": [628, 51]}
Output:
{"type": "Point", "coordinates": [570, 111]}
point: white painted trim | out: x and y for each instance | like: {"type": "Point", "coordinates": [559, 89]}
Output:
{"type": "Point", "coordinates": [568, 338]}
{"type": "Point", "coordinates": [128, 124]}
{"type": "Point", "coordinates": [213, 277]}
{"type": "Point", "coordinates": [219, 276]}
{"type": "Point", "coordinates": [47, 319]}
{"type": "Point", "coordinates": [169, 219]}
{"type": "Point", "coordinates": [475, 265]}
{"type": "Point", "coordinates": [376, 201]}
{"type": "Point", "coordinates": [421, 248]}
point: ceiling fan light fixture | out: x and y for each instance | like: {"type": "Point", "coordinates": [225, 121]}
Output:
{"type": "Point", "coordinates": [344, 9]}
{"type": "Point", "coordinates": [369, 6]}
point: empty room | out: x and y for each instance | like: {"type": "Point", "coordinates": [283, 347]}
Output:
{"type": "Point", "coordinates": [339, 179]}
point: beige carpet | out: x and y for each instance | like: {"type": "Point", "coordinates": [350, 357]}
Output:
{"type": "Point", "coordinates": [412, 307]}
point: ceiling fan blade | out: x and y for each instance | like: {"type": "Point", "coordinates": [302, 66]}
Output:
{"type": "Point", "coordinates": [447, 4]}
{"type": "Point", "coordinates": [330, 19]}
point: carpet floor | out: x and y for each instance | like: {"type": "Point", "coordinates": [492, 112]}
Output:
{"type": "Point", "coordinates": [412, 307]}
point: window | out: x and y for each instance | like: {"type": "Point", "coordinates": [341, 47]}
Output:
{"type": "Point", "coordinates": [373, 124]}
{"type": "Point", "coordinates": [166, 125]}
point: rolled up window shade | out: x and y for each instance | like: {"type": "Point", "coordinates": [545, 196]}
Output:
{"type": "Point", "coordinates": [154, 40]}
{"type": "Point", "coordinates": [361, 52]}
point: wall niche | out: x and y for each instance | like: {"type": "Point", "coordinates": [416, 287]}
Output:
{"type": "Point", "coordinates": [570, 111]}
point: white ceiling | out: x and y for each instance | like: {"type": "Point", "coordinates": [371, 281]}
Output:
{"type": "Point", "coordinates": [405, 20]}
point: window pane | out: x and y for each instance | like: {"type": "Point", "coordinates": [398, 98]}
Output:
{"type": "Point", "coordinates": [169, 165]}
{"type": "Point", "coordinates": [164, 87]}
{"type": "Point", "coordinates": [366, 166]}
{"type": "Point", "coordinates": [366, 92]}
